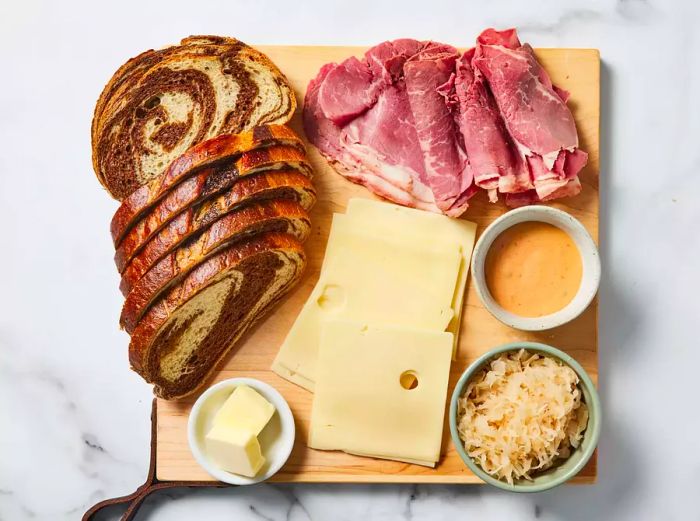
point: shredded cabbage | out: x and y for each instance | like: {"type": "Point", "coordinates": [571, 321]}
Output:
{"type": "Point", "coordinates": [521, 414]}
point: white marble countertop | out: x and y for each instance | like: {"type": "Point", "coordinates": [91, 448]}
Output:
{"type": "Point", "coordinates": [75, 419]}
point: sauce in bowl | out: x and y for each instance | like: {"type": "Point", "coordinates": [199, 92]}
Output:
{"type": "Point", "coordinates": [533, 269]}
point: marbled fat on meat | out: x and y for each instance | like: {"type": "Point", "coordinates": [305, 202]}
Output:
{"type": "Point", "coordinates": [370, 137]}
{"type": "Point", "coordinates": [445, 163]}
{"type": "Point", "coordinates": [421, 125]}
{"type": "Point", "coordinates": [349, 91]}
{"type": "Point", "coordinates": [492, 156]}
{"type": "Point", "coordinates": [534, 111]}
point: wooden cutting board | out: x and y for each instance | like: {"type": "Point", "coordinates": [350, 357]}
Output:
{"type": "Point", "coordinates": [577, 70]}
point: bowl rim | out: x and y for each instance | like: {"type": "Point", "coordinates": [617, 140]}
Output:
{"type": "Point", "coordinates": [288, 430]}
{"type": "Point", "coordinates": [594, 411]}
{"type": "Point", "coordinates": [590, 258]}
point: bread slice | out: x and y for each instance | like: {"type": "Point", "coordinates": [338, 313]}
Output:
{"type": "Point", "coordinates": [253, 162]}
{"type": "Point", "coordinates": [282, 216]}
{"type": "Point", "coordinates": [281, 185]}
{"type": "Point", "coordinates": [163, 102]}
{"type": "Point", "coordinates": [183, 337]}
{"type": "Point", "coordinates": [209, 153]}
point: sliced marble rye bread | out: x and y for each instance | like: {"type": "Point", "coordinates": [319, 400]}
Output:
{"type": "Point", "coordinates": [183, 337]}
{"type": "Point", "coordinates": [265, 186]}
{"type": "Point", "coordinates": [277, 215]}
{"type": "Point", "coordinates": [197, 160]}
{"type": "Point", "coordinates": [253, 162]}
{"type": "Point", "coordinates": [162, 102]}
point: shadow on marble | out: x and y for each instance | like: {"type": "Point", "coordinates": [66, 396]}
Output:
{"type": "Point", "coordinates": [620, 324]}
{"type": "Point", "coordinates": [619, 476]}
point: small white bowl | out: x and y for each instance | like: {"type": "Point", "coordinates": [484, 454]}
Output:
{"type": "Point", "coordinates": [590, 259]}
{"type": "Point", "coordinates": [276, 439]}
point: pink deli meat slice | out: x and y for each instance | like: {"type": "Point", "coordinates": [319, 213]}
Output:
{"type": "Point", "coordinates": [378, 149]}
{"type": "Point", "coordinates": [384, 139]}
{"type": "Point", "coordinates": [354, 86]}
{"type": "Point", "coordinates": [350, 90]}
{"type": "Point", "coordinates": [495, 163]}
{"type": "Point", "coordinates": [418, 124]}
{"type": "Point", "coordinates": [445, 164]}
{"type": "Point", "coordinates": [387, 59]}
{"type": "Point", "coordinates": [534, 111]}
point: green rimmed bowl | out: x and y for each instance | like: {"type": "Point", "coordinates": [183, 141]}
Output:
{"type": "Point", "coordinates": [561, 472]}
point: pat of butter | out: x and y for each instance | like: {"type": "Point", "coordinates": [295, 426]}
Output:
{"type": "Point", "coordinates": [245, 409]}
{"type": "Point", "coordinates": [232, 442]}
{"type": "Point", "coordinates": [234, 449]}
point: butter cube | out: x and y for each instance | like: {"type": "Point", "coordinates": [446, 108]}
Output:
{"type": "Point", "coordinates": [245, 409]}
{"type": "Point", "coordinates": [234, 450]}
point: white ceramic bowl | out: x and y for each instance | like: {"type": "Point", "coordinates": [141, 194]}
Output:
{"type": "Point", "coordinates": [589, 257]}
{"type": "Point", "coordinates": [276, 439]}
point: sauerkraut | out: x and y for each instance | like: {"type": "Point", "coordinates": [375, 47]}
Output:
{"type": "Point", "coordinates": [521, 414]}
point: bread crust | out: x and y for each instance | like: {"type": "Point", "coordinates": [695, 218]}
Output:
{"type": "Point", "coordinates": [206, 154]}
{"type": "Point", "coordinates": [197, 280]}
{"type": "Point", "coordinates": [280, 185]}
{"type": "Point", "coordinates": [251, 163]}
{"type": "Point", "coordinates": [214, 192]}
{"type": "Point", "coordinates": [146, 76]}
{"type": "Point", "coordinates": [176, 393]}
{"type": "Point", "coordinates": [283, 216]}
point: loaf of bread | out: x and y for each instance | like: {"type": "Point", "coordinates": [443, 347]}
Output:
{"type": "Point", "coordinates": [211, 152]}
{"type": "Point", "coordinates": [215, 192]}
{"type": "Point", "coordinates": [273, 185]}
{"type": "Point", "coordinates": [282, 216]}
{"type": "Point", "coordinates": [162, 102]}
{"type": "Point", "coordinates": [252, 162]}
{"type": "Point", "coordinates": [183, 337]}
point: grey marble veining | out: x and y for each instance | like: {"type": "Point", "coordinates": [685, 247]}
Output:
{"type": "Point", "coordinates": [75, 419]}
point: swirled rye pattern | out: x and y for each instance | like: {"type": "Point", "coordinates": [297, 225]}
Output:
{"type": "Point", "coordinates": [162, 102]}
{"type": "Point", "coordinates": [215, 191]}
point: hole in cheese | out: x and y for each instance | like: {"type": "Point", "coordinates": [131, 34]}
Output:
{"type": "Point", "coordinates": [332, 298]}
{"type": "Point", "coordinates": [409, 380]}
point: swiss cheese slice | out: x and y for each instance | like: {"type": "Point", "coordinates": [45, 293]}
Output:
{"type": "Point", "coordinates": [360, 405]}
{"type": "Point", "coordinates": [420, 227]}
{"type": "Point", "coordinates": [382, 280]}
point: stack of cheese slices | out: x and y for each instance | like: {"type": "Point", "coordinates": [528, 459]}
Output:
{"type": "Point", "coordinates": [214, 192]}
{"type": "Point", "coordinates": [376, 337]}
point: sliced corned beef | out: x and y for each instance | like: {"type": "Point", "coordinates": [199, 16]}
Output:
{"type": "Point", "coordinates": [320, 130]}
{"type": "Point", "coordinates": [386, 60]}
{"type": "Point", "coordinates": [349, 91]}
{"type": "Point", "coordinates": [426, 73]}
{"type": "Point", "coordinates": [378, 146]}
{"type": "Point", "coordinates": [495, 163]}
{"type": "Point", "coordinates": [534, 111]}
{"type": "Point", "coordinates": [420, 125]}
{"type": "Point", "coordinates": [385, 138]}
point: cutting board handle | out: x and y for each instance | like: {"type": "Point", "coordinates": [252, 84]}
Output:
{"type": "Point", "coordinates": [134, 500]}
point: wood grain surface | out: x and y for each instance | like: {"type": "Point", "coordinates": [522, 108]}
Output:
{"type": "Point", "coordinates": [576, 70]}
